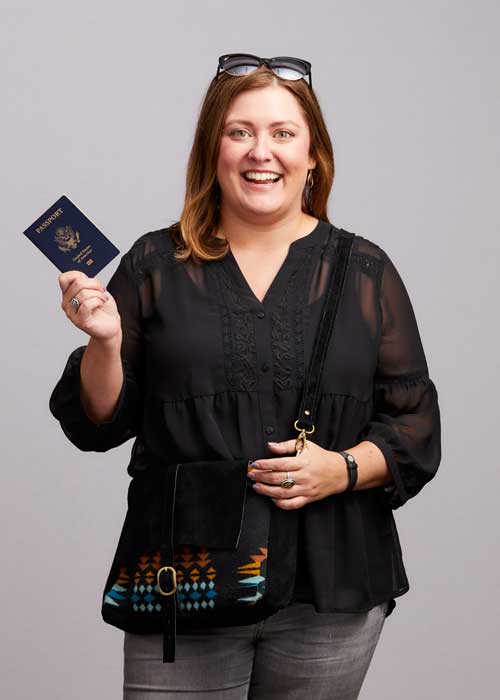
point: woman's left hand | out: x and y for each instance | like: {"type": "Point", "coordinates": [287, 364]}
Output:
{"type": "Point", "coordinates": [317, 472]}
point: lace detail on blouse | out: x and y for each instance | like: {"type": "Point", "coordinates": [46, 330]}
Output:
{"type": "Point", "coordinates": [152, 254]}
{"type": "Point", "coordinates": [368, 264]}
{"type": "Point", "coordinates": [240, 352]}
{"type": "Point", "coordinates": [287, 335]}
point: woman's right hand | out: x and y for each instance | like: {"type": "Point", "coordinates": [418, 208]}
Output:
{"type": "Point", "coordinates": [97, 314]}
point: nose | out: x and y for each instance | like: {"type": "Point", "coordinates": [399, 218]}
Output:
{"type": "Point", "coordinates": [261, 149]}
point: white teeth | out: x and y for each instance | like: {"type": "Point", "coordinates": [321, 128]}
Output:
{"type": "Point", "coordinates": [261, 177]}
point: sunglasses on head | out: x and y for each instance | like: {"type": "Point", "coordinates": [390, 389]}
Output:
{"type": "Point", "coordinates": [284, 67]}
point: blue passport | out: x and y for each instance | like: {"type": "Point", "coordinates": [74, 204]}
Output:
{"type": "Point", "coordinates": [70, 240]}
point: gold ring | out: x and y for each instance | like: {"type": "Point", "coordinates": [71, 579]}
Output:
{"type": "Point", "coordinates": [287, 483]}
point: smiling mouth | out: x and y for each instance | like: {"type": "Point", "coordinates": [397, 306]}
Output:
{"type": "Point", "coordinates": [262, 182]}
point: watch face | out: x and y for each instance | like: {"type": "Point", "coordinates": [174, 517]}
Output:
{"type": "Point", "coordinates": [350, 458]}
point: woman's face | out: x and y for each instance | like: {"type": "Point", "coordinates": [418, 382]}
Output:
{"type": "Point", "coordinates": [265, 132]}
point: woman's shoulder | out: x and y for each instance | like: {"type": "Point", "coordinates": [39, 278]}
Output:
{"type": "Point", "coordinates": [367, 252]}
{"type": "Point", "coordinates": [375, 260]}
{"type": "Point", "coordinates": [363, 244]}
{"type": "Point", "coordinates": [154, 246]}
{"type": "Point", "coordinates": [156, 240]}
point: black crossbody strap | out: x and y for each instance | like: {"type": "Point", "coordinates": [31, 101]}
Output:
{"type": "Point", "coordinates": [312, 383]}
{"type": "Point", "coordinates": [166, 576]}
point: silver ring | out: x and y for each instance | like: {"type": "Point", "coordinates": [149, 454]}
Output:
{"type": "Point", "coordinates": [75, 303]}
{"type": "Point", "coordinates": [287, 483]}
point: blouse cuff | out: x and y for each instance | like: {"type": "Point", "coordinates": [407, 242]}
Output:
{"type": "Point", "coordinates": [394, 494]}
{"type": "Point", "coordinates": [405, 426]}
{"type": "Point", "coordinates": [66, 405]}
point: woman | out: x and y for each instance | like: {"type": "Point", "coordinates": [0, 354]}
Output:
{"type": "Point", "coordinates": [198, 349]}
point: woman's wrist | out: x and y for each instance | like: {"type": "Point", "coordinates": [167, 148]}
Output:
{"type": "Point", "coordinates": [107, 346]}
{"type": "Point", "coordinates": [372, 467]}
{"type": "Point", "coordinates": [340, 473]}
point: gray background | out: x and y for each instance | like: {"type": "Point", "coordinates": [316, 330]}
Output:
{"type": "Point", "coordinates": [100, 101]}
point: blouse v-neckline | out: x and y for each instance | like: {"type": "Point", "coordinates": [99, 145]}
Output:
{"type": "Point", "coordinates": [285, 270]}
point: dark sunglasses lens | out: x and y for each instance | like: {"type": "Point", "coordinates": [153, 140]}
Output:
{"type": "Point", "coordinates": [289, 68]}
{"type": "Point", "coordinates": [240, 70]}
{"type": "Point", "coordinates": [240, 65]}
{"type": "Point", "coordinates": [288, 73]}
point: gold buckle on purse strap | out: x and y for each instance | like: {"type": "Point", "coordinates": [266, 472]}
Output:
{"type": "Point", "coordinates": [174, 580]}
{"type": "Point", "coordinates": [301, 441]}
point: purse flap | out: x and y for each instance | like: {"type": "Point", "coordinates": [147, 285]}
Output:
{"type": "Point", "coordinates": [210, 503]}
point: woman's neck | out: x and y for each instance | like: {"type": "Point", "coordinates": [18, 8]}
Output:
{"type": "Point", "coordinates": [244, 234]}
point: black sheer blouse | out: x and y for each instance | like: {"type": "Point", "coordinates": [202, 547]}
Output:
{"type": "Point", "coordinates": [210, 372]}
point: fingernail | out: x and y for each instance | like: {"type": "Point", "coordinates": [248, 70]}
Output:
{"type": "Point", "coordinates": [273, 444]}
{"type": "Point", "coordinates": [252, 464]}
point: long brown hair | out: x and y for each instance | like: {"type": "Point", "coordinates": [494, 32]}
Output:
{"type": "Point", "coordinates": [194, 233]}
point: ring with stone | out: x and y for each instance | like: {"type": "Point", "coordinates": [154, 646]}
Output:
{"type": "Point", "coordinates": [287, 483]}
{"type": "Point", "coordinates": [75, 303]}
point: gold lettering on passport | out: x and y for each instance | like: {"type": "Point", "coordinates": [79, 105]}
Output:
{"type": "Point", "coordinates": [49, 221]}
{"type": "Point", "coordinates": [66, 238]}
{"type": "Point", "coordinates": [84, 252]}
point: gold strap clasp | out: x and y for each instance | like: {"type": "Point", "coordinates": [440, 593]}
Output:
{"type": "Point", "coordinates": [301, 441]}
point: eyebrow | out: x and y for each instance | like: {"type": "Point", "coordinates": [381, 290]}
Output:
{"type": "Point", "coordinates": [248, 123]}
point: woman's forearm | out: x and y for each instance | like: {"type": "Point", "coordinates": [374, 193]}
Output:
{"type": "Point", "coordinates": [101, 377]}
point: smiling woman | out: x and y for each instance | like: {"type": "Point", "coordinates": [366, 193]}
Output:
{"type": "Point", "coordinates": [200, 352]}
{"type": "Point", "coordinates": [255, 124]}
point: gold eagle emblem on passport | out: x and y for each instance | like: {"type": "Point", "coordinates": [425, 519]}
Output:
{"type": "Point", "coordinates": [66, 238]}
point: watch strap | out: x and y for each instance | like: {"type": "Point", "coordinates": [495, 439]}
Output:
{"type": "Point", "coordinates": [352, 469]}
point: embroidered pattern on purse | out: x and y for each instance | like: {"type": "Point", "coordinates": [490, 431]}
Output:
{"type": "Point", "coordinates": [196, 569]}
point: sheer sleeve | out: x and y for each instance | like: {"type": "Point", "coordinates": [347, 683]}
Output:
{"type": "Point", "coordinates": [65, 403]}
{"type": "Point", "coordinates": [405, 423]}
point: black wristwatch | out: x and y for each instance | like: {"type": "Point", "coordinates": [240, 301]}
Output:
{"type": "Point", "coordinates": [352, 469]}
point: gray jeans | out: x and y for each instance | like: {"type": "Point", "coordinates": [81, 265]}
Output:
{"type": "Point", "coordinates": [295, 654]}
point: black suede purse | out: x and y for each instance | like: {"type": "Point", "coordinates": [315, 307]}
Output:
{"type": "Point", "coordinates": [219, 554]}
